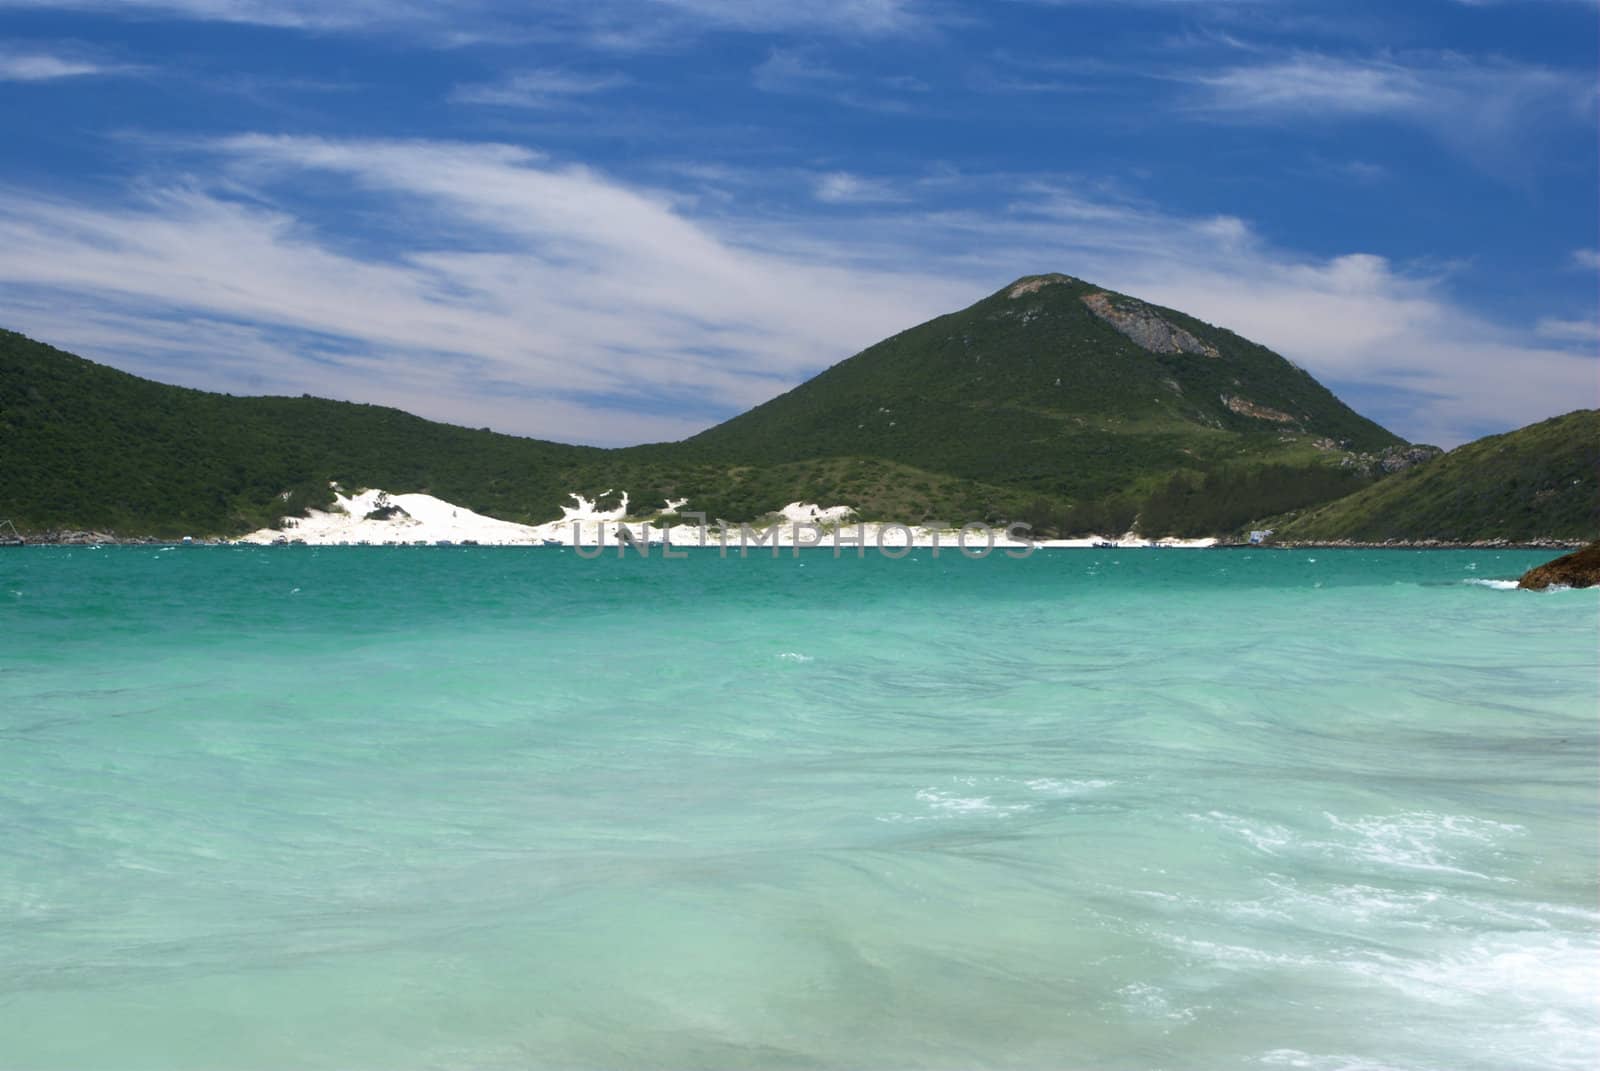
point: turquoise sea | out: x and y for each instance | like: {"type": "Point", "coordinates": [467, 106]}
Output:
{"type": "Point", "coordinates": [374, 808]}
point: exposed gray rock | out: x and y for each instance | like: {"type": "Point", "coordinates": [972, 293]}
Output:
{"type": "Point", "coordinates": [1391, 459]}
{"type": "Point", "coordinates": [1399, 458]}
{"type": "Point", "coordinates": [1144, 326]}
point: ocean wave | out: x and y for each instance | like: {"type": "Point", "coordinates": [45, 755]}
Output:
{"type": "Point", "coordinates": [1268, 838]}
{"type": "Point", "coordinates": [988, 797]}
{"type": "Point", "coordinates": [1338, 907]}
{"type": "Point", "coordinates": [1545, 971]}
{"type": "Point", "coordinates": [1518, 980]}
{"type": "Point", "coordinates": [950, 803]}
{"type": "Point", "coordinates": [1227, 954]}
{"type": "Point", "coordinates": [1419, 840]}
{"type": "Point", "coordinates": [1154, 1002]}
{"type": "Point", "coordinates": [1513, 585]}
{"type": "Point", "coordinates": [1331, 1062]}
{"type": "Point", "coordinates": [1057, 787]}
{"type": "Point", "coordinates": [1412, 840]}
{"type": "Point", "coordinates": [1533, 995]}
{"type": "Point", "coordinates": [1516, 999]}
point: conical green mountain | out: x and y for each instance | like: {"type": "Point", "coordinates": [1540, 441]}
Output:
{"type": "Point", "coordinates": [1061, 387]}
{"type": "Point", "coordinates": [1052, 401]}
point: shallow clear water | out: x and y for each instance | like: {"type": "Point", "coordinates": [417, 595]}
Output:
{"type": "Point", "coordinates": [499, 808]}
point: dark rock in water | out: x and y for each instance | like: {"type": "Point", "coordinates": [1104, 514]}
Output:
{"type": "Point", "coordinates": [1580, 569]}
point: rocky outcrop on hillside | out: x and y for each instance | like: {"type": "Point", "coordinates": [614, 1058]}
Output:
{"type": "Point", "coordinates": [1580, 569]}
{"type": "Point", "coordinates": [1245, 407]}
{"type": "Point", "coordinates": [75, 538]}
{"type": "Point", "coordinates": [1391, 460]}
{"type": "Point", "coordinates": [1399, 458]}
{"type": "Point", "coordinates": [1144, 326]}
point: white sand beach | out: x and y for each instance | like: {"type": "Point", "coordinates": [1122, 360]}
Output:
{"type": "Point", "coordinates": [375, 517]}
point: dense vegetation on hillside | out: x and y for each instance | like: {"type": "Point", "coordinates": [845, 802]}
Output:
{"type": "Point", "coordinates": [1032, 389]}
{"type": "Point", "coordinates": [1050, 401]}
{"type": "Point", "coordinates": [1541, 480]}
{"type": "Point", "coordinates": [88, 446]}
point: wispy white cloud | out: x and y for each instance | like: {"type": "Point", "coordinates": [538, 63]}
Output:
{"type": "Point", "coordinates": [842, 188]}
{"type": "Point", "coordinates": [1495, 110]}
{"type": "Point", "coordinates": [537, 89]}
{"type": "Point", "coordinates": [305, 14]}
{"type": "Point", "coordinates": [1501, 3]}
{"type": "Point", "coordinates": [1570, 330]}
{"type": "Point", "coordinates": [594, 301]}
{"type": "Point", "coordinates": [803, 72]}
{"type": "Point", "coordinates": [860, 16]}
{"type": "Point", "coordinates": [557, 300]}
{"type": "Point", "coordinates": [788, 70]}
{"type": "Point", "coordinates": [1360, 170]}
{"type": "Point", "coordinates": [34, 66]}
{"type": "Point", "coordinates": [1316, 85]}
{"type": "Point", "coordinates": [1586, 258]}
{"type": "Point", "coordinates": [617, 20]}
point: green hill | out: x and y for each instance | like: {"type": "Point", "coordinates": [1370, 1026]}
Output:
{"type": "Point", "coordinates": [1539, 481]}
{"type": "Point", "coordinates": [1050, 401]}
{"type": "Point", "coordinates": [1090, 402]}
{"type": "Point", "coordinates": [1060, 386]}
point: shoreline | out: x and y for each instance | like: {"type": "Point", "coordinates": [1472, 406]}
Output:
{"type": "Point", "coordinates": [946, 543]}
{"type": "Point", "coordinates": [376, 518]}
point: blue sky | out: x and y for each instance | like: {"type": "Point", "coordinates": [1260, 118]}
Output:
{"type": "Point", "coordinates": [623, 220]}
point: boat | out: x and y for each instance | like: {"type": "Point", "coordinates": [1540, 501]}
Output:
{"type": "Point", "coordinates": [9, 536]}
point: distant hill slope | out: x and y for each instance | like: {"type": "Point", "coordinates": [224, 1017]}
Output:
{"type": "Point", "coordinates": [1539, 481]}
{"type": "Point", "coordinates": [88, 446]}
{"type": "Point", "coordinates": [1051, 401]}
{"type": "Point", "coordinates": [84, 446]}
